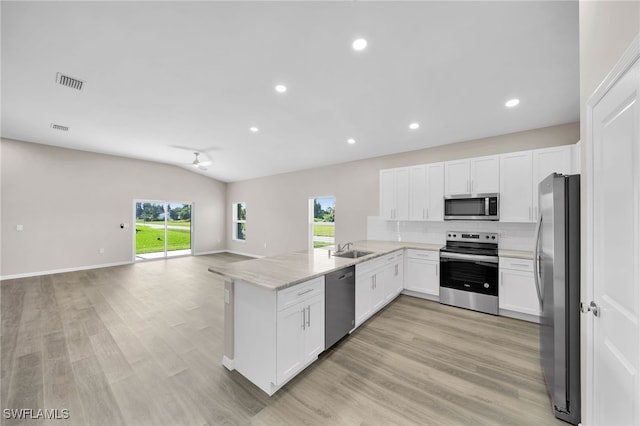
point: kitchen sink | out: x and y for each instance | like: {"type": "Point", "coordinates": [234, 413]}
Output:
{"type": "Point", "coordinates": [352, 254]}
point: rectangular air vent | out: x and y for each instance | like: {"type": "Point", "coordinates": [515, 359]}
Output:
{"type": "Point", "coordinates": [65, 80]}
{"type": "Point", "coordinates": [59, 127]}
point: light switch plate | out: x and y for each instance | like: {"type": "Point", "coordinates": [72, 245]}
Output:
{"type": "Point", "coordinates": [19, 228]}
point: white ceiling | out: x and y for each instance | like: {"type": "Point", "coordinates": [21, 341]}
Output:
{"type": "Point", "coordinates": [164, 79]}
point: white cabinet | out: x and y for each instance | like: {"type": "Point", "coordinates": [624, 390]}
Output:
{"type": "Point", "coordinates": [422, 273]}
{"type": "Point", "coordinates": [426, 192]}
{"type": "Point", "coordinates": [394, 194]}
{"type": "Point", "coordinates": [520, 174]}
{"type": "Point", "coordinates": [300, 337]}
{"type": "Point", "coordinates": [435, 191]}
{"type": "Point", "coordinates": [472, 176]}
{"type": "Point", "coordinates": [546, 161]}
{"type": "Point", "coordinates": [516, 187]}
{"type": "Point", "coordinates": [378, 282]}
{"type": "Point", "coordinates": [517, 292]}
{"type": "Point", "coordinates": [277, 333]}
{"type": "Point", "coordinates": [418, 193]}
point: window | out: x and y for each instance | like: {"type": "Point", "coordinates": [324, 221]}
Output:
{"type": "Point", "coordinates": [322, 212]}
{"type": "Point", "coordinates": [240, 221]}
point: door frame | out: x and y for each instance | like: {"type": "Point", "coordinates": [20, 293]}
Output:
{"type": "Point", "coordinates": [626, 61]}
{"type": "Point", "coordinates": [133, 237]}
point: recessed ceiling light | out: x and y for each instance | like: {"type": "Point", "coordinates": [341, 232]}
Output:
{"type": "Point", "coordinates": [254, 129]}
{"type": "Point", "coordinates": [281, 88]}
{"type": "Point", "coordinates": [351, 141]}
{"type": "Point", "coordinates": [512, 102]}
{"type": "Point", "coordinates": [359, 44]}
{"type": "Point", "coordinates": [414, 126]}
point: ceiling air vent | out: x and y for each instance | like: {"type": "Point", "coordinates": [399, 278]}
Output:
{"type": "Point", "coordinates": [59, 127]}
{"type": "Point", "coordinates": [65, 80]}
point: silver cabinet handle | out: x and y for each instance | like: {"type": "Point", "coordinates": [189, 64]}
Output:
{"type": "Point", "coordinates": [396, 273]}
{"type": "Point", "coordinates": [300, 293]}
{"type": "Point", "coordinates": [309, 316]}
{"type": "Point", "coordinates": [303, 319]}
{"type": "Point", "coordinates": [529, 212]}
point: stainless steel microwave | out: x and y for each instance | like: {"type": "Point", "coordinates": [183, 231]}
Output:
{"type": "Point", "coordinates": [472, 207]}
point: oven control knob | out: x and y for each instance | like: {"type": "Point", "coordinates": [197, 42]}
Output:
{"type": "Point", "coordinates": [448, 235]}
{"type": "Point", "coordinates": [487, 237]}
{"type": "Point", "coordinates": [493, 237]}
{"type": "Point", "coordinates": [486, 285]}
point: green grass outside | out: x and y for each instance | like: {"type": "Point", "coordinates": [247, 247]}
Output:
{"type": "Point", "coordinates": [161, 222]}
{"type": "Point", "coordinates": [324, 230]}
{"type": "Point", "coordinates": [319, 244]}
{"type": "Point", "coordinates": [151, 240]}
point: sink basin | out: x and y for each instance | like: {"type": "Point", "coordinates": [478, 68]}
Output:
{"type": "Point", "coordinates": [352, 254]}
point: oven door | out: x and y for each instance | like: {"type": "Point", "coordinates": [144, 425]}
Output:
{"type": "Point", "coordinates": [471, 273]}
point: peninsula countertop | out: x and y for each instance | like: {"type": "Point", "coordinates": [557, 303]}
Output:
{"type": "Point", "coordinates": [288, 269]}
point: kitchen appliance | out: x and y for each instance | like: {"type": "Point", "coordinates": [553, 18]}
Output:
{"type": "Point", "coordinates": [339, 304]}
{"type": "Point", "coordinates": [557, 278]}
{"type": "Point", "coordinates": [472, 207]}
{"type": "Point", "coordinates": [469, 271]}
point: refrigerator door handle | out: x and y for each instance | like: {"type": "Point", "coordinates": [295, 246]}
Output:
{"type": "Point", "coordinates": [536, 261]}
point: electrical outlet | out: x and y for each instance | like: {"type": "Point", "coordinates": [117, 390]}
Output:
{"type": "Point", "coordinates": [19, 228]}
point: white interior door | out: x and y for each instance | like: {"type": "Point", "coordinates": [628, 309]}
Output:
{"type": "Point", "coordinates": [613, 353]}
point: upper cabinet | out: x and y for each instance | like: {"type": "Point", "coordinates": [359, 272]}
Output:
{"type": "Point", "coordinates": [520, 174]}
{"type": "Point", "coordinates": [394, 194]}
{"type": "Point", "coordinates": [472, 176]}
{"type": "Point", "coordinates": [426, 192]}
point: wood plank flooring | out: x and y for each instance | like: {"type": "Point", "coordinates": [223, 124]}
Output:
{"type": "Point", "coordinates": [142, 344]}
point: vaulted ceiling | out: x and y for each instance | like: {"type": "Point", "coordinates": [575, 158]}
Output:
{"type": "Point", "coordinates": [162, 80]}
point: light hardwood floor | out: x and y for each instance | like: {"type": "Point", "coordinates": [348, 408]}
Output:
{"type": "Point", "coordinates": [142, 344]}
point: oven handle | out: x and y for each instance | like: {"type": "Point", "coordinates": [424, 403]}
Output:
{"type": "Point", "coordinates": [474, 257]}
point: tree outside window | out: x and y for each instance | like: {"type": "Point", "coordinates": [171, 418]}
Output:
{"type": "Point", "coordinates": [240, 221]}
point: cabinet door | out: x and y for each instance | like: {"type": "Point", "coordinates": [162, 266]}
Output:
{"type": "Point", "coordinates": [547, 161]}
{"type": "Point", "coordinates": [379, 292]}
{"type": "Point", "coordinates": [485, 175]}
{"type": "Point", "coordinates": [423, 276]}
{"type": "Point", "coordinates": [314, 328]}
{"type": "Point", "coordinates": [402, 194]}
{"type": "Point", "coordinates": [387, 193]}
{"type": "Point", "coordinates": [456, 177]}
{"type": "Point", "coordinates": [395, 282]}
{"type": "Point", "coordinates": [418, 193]}
{"type": "Point", "coordinates": [518, 292]}
{"type": "Point", "coordinates": [435, 191]}
{"type": "Point", "coordinates": [364, 296]}
{"type": "Point", "coordinates": [289, 348]}
{"type": "Point", "coordinates": [516, 187]}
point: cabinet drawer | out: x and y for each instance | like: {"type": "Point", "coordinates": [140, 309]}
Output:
{"type": "Point", "coordinates": [292, 295]}
{"type": "Point", "coordinates": [423, 254]}
{"type": "Point", "coordinates": [370, 265]}
{"type": "Point", "coordinates": [516, 264]}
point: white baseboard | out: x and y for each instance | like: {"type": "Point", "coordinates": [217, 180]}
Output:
{"type": "Point", "coordinates": [519, 315]}
{"type": "Point", "coordinates": [421, 295]}
{"type": "Point", "coordinates": [228, 363]}
{"type": "Point", "coordinates": [209, 252]}
{"type": "Point", "coordinates": [60, 271]}
{"type": "Point", "coordinates": [244, 254]}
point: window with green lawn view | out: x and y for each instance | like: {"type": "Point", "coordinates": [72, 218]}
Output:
{"type": "Point", "coordinates": [240, 221]}
{"type": "Point", "coordinates": [162, 229]}
{"type": "Point", "coordinates": [322, 215]}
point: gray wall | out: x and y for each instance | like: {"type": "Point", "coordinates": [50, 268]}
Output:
{"type": "Point", "coordinates": [277, 206]}
{"type": "Point", "coordinates": [71, 203]}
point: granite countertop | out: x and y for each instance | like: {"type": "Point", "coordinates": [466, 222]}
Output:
{"type": "Point", "coordinates": [288, 269]}
{"type": "Point", "coordinates": [518, 254]}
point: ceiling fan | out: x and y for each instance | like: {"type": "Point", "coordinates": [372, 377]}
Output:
{"type": "Point", "coordinates": [199, 164]}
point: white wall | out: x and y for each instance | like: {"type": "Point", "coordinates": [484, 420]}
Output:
{"type": "Point", "coordinates": [277, 206]}
{"type": "Point", "coordinates": [71, 203]}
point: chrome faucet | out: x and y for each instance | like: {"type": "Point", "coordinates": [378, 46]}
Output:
{"type": "Point", "coordinates": [344, 247]}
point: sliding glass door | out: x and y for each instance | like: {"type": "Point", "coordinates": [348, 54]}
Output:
{"type": "Point", "coordinates": [163, 229]}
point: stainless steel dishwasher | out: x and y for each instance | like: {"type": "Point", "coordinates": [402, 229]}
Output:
{"type": "Point", "coordinates": [339, 304]}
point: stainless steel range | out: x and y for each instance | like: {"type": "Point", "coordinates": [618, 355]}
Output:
{"type": "Point", "coordinates": [469, 271]}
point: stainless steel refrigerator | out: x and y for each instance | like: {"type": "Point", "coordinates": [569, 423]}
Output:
{"type": "Point", "coordinates": [557, 278]}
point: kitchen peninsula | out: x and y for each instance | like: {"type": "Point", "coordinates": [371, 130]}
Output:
{"type": "Point", "coordinates": [265, 339]}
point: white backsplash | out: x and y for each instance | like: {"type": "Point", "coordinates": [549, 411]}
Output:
{"type": "Point", "coordinates": [513, 236]}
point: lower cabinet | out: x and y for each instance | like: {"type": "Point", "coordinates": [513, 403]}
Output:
{"type": "Point", "coordinates": [300, 336]}
{"type": "Point", "coordinates": [517, 292]}
{"type": "Point", "coordinates": [422, 274]}
{"type": "Point", "coordinates": [277, 333]}
{"type": "Point", "coordinates": [378, 281]}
